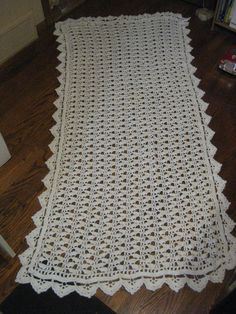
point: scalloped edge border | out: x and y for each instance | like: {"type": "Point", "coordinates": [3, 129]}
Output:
{"type": "Point", "coordinates": [131, 285]}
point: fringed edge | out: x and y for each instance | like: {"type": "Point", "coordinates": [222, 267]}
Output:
{"type": "Point", "coordinates": [131, 285]}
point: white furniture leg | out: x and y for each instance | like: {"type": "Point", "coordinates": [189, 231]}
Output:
{"type": "Point", "coordinates": [4, 152]}
{"type": "Point", "coordinates": [6, 247]}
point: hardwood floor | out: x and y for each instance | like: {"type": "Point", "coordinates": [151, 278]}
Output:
{"type": "Point", "coordinates": [26, 107]}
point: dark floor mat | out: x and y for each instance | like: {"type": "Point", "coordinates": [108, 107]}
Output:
{"type": "Point", "coordinates": [227, 305]}
{"type": "Point", "coordinates": [24, 300]}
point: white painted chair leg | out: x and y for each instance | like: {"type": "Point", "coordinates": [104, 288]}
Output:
{"type": "Point", "coordinates": [6, 247]}
{"type": "Point", "coordinates": [4, 152]}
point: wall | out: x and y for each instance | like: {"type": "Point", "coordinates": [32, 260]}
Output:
{"type": "Point", "coordinates": [18, 20]}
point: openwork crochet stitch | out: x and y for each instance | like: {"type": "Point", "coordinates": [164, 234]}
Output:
{"type": "Point", "coordinates": [133, 194]}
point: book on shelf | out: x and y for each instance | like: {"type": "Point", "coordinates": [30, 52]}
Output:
{"type": "Point", "coordinates": [227, 12]}
{"type": "Point", "coordinates": [222, 10]}
{"type": "Point", "coordinates": [232, 22]}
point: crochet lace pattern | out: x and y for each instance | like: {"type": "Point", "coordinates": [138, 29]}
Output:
{"type": "Point", "coordinates": [133, 194]}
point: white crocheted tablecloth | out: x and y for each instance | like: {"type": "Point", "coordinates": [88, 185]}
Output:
{"type": "Point", "coordinates": [133, 194]}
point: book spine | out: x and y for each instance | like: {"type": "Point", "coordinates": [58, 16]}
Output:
{"type": "Point", "coordinates": [228, 11]}
{"type": "Point", "coordinates": [233, 16]}
{"type": "Point", "coordinates": [223, 10]}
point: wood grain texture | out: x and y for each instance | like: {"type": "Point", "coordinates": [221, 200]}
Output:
{"type": "Point", "coordinates": [26, 108]}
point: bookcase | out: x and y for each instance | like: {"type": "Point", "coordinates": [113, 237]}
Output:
{"type": "Point", "coordinates": [217, 20]}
